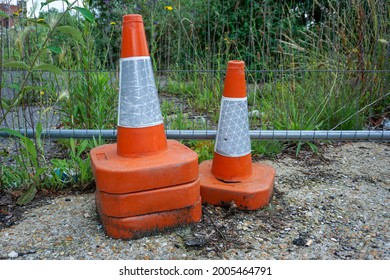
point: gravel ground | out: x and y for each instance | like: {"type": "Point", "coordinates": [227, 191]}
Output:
{"type": "Point", "coordinates": [334, 205]}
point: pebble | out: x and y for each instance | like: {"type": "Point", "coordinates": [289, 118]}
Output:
{"type": "Point", "coordinates": [283, 246]}
{"type": "Point", "coordinates": [308, 243]}
{"type": "Point", "coordinates": [13, 255]}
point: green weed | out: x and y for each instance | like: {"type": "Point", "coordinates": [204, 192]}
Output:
{"type": "Point", "coordinates": [204, 148]}
{"type": "Point", "coordinates": [100, 110]}
{"type": "Point", "coordinates": [31, 163]}
{"type": "Point", "coordinates": [75, 170]}
{"type": "Point", "coordinates": [267, 148]}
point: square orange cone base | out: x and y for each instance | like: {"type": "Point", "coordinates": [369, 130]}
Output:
{"type": "Point", "coordinates": [115, 174]}
{"type": "Point", "coordinates": [145, 225]}
{"type": "Point", "coordinates": [150, 201]}
{"type": "Point", "coordinates": [249, 194]}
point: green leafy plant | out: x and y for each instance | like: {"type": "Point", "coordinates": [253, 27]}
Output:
{"type": "Point", "coordinates": [100, 111]}
{"type": "Point", "coordinates": [75, 170]}
{"type": "Point", "coordinates": [266, 148]}
{"type": "Point", "coordinates": [35, 65]}
{"type": "Point", "coordinates": [35, 52]}
{"type": "Point", "coordinates": [31, 164]}
{"type": "Point", "coordinates": [204, 148]}
{"type": "Point", "coordinates": [312, 146]}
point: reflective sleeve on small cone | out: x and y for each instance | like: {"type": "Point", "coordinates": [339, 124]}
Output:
{"type": "Point", "coordinates": [233, 128]}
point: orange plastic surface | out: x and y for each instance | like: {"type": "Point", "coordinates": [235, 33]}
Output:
{"type": "Point", "coordinates": [133, 37]}
{"type": "Point", "coordinates": [249, 194]}
{"type": "Point", "coordinates": [144, 225]}
{"type": "Point", "coordinates": [115, 174]}
{"type": "Point", "coordinates": [137, 142]}
{"type": "Point", "coordinates": [151, 201]}
{"type": "Point", "coordinates": [235, 84]}
{"type": "Point", "coordinates": [231, 169]}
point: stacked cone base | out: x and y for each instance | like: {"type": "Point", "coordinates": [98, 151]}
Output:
{"type": "Point", "coordinates": [145, 225]}
{"type": "Point", "coordinates": [150, 201]}
{"type": "Point", "coordinates": [250, 193]}
{"type": "Point", "coordinates": [115, 174]}
{"type": "Point", "coordinates": [145, 183]}
{"type": "Point", "coordinates": [139, 196]}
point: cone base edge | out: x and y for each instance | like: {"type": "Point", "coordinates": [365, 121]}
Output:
{"type": "Point", "coordinates": [252, 193]}
{"type": "Point", "coordinates": [150, 224]}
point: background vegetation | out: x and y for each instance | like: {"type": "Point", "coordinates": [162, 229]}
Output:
{"type": "Point", "coordinates": [310, 64]}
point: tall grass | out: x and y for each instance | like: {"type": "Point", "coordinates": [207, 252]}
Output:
{"type": "Point", "coordinates": [314, 68]}
{"type": "Point", "coordinates": [33, 57]}
{"type": "Point", "coordinates": [315, 64]}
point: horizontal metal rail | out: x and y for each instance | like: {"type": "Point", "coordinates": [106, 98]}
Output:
{"type": "Point", "coordinates": [224, 71]}
{"type": "Point", "coordinates": [281, 135]}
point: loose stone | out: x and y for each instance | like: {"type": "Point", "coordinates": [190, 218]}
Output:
{"type": "Point", "coordinates": [13, 255]}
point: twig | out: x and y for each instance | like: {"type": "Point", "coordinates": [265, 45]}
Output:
{"type": "Point", "coordinates": [216, 227]}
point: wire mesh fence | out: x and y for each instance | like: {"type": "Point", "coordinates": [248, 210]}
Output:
{"type": "Point", "coordinates": [289, 101]}
{"type": "Point", "coordinates": [315, 70]}
{"type": "Point", "coordinates": [310, 65]}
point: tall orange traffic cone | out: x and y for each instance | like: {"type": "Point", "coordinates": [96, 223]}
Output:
{"type": "Point", "coordinates": [139, 106]}
{"type": "Point", "coordinates": [231, 176]}
{"type": "Point", "coordinates": [145, 183]}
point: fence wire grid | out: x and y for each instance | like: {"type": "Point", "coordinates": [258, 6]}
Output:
{"type": "Point", "coordinates": [314, 71]}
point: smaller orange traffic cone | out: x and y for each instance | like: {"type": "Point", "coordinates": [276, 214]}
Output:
{"type": "Point", "coordinates": [231, 176]}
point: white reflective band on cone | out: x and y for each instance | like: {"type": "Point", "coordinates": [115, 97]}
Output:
{"type": "Point", "coordinates": [138, 100]}
{"type": "Point", "coordinates": [233, 128]}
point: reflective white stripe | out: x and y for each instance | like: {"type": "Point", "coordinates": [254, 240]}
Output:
{"type": "Point", "coordinates": [134, 58]}
{"type": "Point", "coordinates": [138, 99]}
{"type": "Point", "coordinates": [234, 98]}
{"type": "Point", "coordinates": [233, 138]}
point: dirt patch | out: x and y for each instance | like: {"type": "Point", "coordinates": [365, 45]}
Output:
{"type": "Point", "coordinates": [334, 205]}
